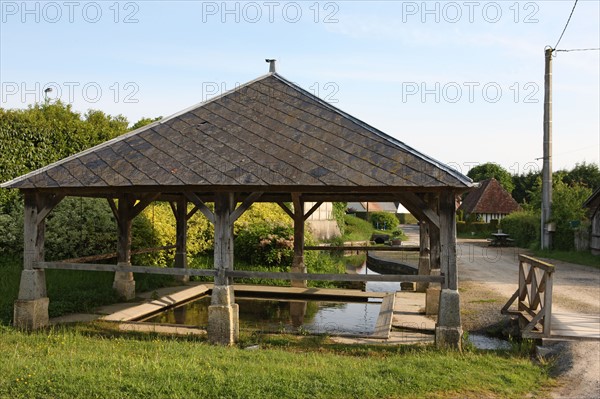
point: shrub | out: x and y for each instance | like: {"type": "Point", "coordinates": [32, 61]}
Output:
{"type": "Point", "coordinates": [265, 243]}
{"type": "Point", "coordinates": [384, 220]}
{"type": "Point", "coordinates": [523, 227]}
{"type": "Point", "coordinates": [339, 213]}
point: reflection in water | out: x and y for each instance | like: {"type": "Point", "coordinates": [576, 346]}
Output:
{"type": "Point", "coordinates": [377, 286]}
{"type": "Point", "coordinates": [180, 314]}
{"type": "Point", "coordinates": [297, 312]}
{"type": "Point", "coordinates": [284, 315]}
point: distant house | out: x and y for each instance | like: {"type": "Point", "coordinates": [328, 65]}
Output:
{"type": "Point", "coordinates": [593, 205]}
{"type": "Point", "coordinates": [322, 223]}
{"type": "Point", "coordinates": [360, 207]}
{"type": "Point", "coordinates": [489, 201]}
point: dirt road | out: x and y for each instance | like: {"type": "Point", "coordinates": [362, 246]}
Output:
{"type": "Point", "coordinates": [488, 277]}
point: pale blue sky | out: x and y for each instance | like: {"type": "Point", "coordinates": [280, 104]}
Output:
{"type": "Point", "coordinates": [398, 65]}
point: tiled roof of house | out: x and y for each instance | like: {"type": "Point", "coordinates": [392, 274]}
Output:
{"type": "Point", "coordinates": [489, 197]}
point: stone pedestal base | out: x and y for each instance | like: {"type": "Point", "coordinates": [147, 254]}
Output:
{"type": "Point", "coordinates": [432, 301]}
{"type": "Point", "coordinates": [31, 314]}
{"type": "Point", "coordinates": [298, 266]}
{"type": "Point", "coordinates": [448, 337]}
{"type": "Point", "coordinates": [423, 271]}
{"type": "Point", "coordinates": [124, 285]}
{"type": "Point", "coordinates": [448, 330]}
{"type": "Point", "coordinates": [223, 317]}
{"type": "Point", "coordinates": [33, 285]}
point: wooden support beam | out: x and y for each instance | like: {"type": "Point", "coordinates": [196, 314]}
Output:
{"type": "Point", "coordinates": [244, 206]}
{"type": "Point", "coordinates": [46, 203]}
{"type": "Point", "coordinates": [173, 205]}
{"type": "Point", "coordinates": [181, 233]}
{"type": "Point", "coordinates": [312, 210]}
{"type": "Point", "coordinates": [286, 209]}
{"type": "Point", "coordinates": [298, 265]}
{"type": "Point", "coordinates": [195, 199]}
{"type": "Point", "coordinates": [192, 212]}
{"type": "Point", "coordinates": [448, 238]}
{"type": "Point", "coordinates": [223, 255]}
{"type": "Point", "coordinates": [412, 202]}
{"type": "Point", "coordinates": [30, 231]}
{"type": "Point", "coordinates": [143, 203]}
{"type": "Point", "coordinates": [113, 208]}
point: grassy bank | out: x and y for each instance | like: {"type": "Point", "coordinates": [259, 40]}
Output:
{"type": "Point", "coordinates": [81, 362]}
{"type": "Point", "coordinates": [580, 258]}
{"type": "Point", "coordinates": [69, 291]}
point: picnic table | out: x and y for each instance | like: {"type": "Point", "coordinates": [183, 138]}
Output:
{"type": "Point", "coordinates": [500, 240]}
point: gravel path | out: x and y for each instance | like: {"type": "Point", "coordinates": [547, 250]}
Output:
{"type": "Point", "coordinates": [488, 277]}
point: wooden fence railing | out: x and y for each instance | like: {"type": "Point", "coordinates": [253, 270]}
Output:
{"type": "Point", "coordinates": [174, 271]}
{"type": "Point", "coordinates": [534, 298]}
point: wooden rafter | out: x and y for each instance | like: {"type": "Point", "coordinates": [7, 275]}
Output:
{"type": "Point", "coordinates": [195, 199]}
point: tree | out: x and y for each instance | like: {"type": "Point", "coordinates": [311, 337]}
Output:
{"type": "Point", "coordinates": [489, 170]}
{"type": "Point", "coordinates": [585, 174]}
{"type": "Point", "coordinates": [524, 183]}
{"type": "Point", "coordinates": [44, 133]}
{"type": "Point", "coordinates": [144, 121]}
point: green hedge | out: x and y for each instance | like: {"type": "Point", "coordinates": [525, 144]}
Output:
{"type": "Point", "coordinates": [384, 220]}
{"type": "Point", "coordinates": [463, 227]}
{"type": "Point", "coordinates": [523, 227]}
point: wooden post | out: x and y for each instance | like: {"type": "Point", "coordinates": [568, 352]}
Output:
{"type": "Point", "coordinates": [424, 268]}
{"type": "Point", "coordinates": [181, 237]}
{"type": "Point", "coordinates": [124, 284]}
{"type": "Point", "coordinates": [432, 297]}
{"type": "Point", "coordinates": [31, 307]}
{"type": "Point", "coordinates": [448, 330]}
{"type": "Point", "coordinates": [223, 312]}
{"type": "Point", "coordinates": [448, 239]}
{"type": "Point", "coordinates": [298, 265]}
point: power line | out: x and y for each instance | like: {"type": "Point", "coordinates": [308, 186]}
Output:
{"type": "Point", "coordinates": [577, 49]}
{"type": "Point", "coordinates": [567, 24]}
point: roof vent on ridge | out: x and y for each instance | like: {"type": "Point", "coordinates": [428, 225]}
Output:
{"type": "Point", "coordinates": [271, 65]}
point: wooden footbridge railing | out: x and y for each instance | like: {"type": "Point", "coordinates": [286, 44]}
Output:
{"type": "Point", "coordinates": [533, 297]}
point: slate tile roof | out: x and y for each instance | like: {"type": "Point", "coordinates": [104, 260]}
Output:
{"type": "Point", "coordinates": [266, 133]}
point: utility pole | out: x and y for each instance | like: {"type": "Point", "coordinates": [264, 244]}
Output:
{"type": "Point", "coordinates": [546, 236]}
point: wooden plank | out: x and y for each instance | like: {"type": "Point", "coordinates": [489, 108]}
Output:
{"type": "Point", "coordinates": [360, 248]}
{"type": "Point", "coordinates": [383, 326]}
{"type": "Point", "coordinates": [335, 277]}
{"type": "Point", "coordinates": [537, 263]}
{"type": "Point", "coordinates": [171, 271]}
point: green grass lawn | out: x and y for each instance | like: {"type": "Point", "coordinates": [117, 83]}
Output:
{"type": "Point", "coordinates": [93, 361]}
{"type": "Point", "coordinates": [580, 258]}
{"type": "Point", "coordinates": [69, 290]}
